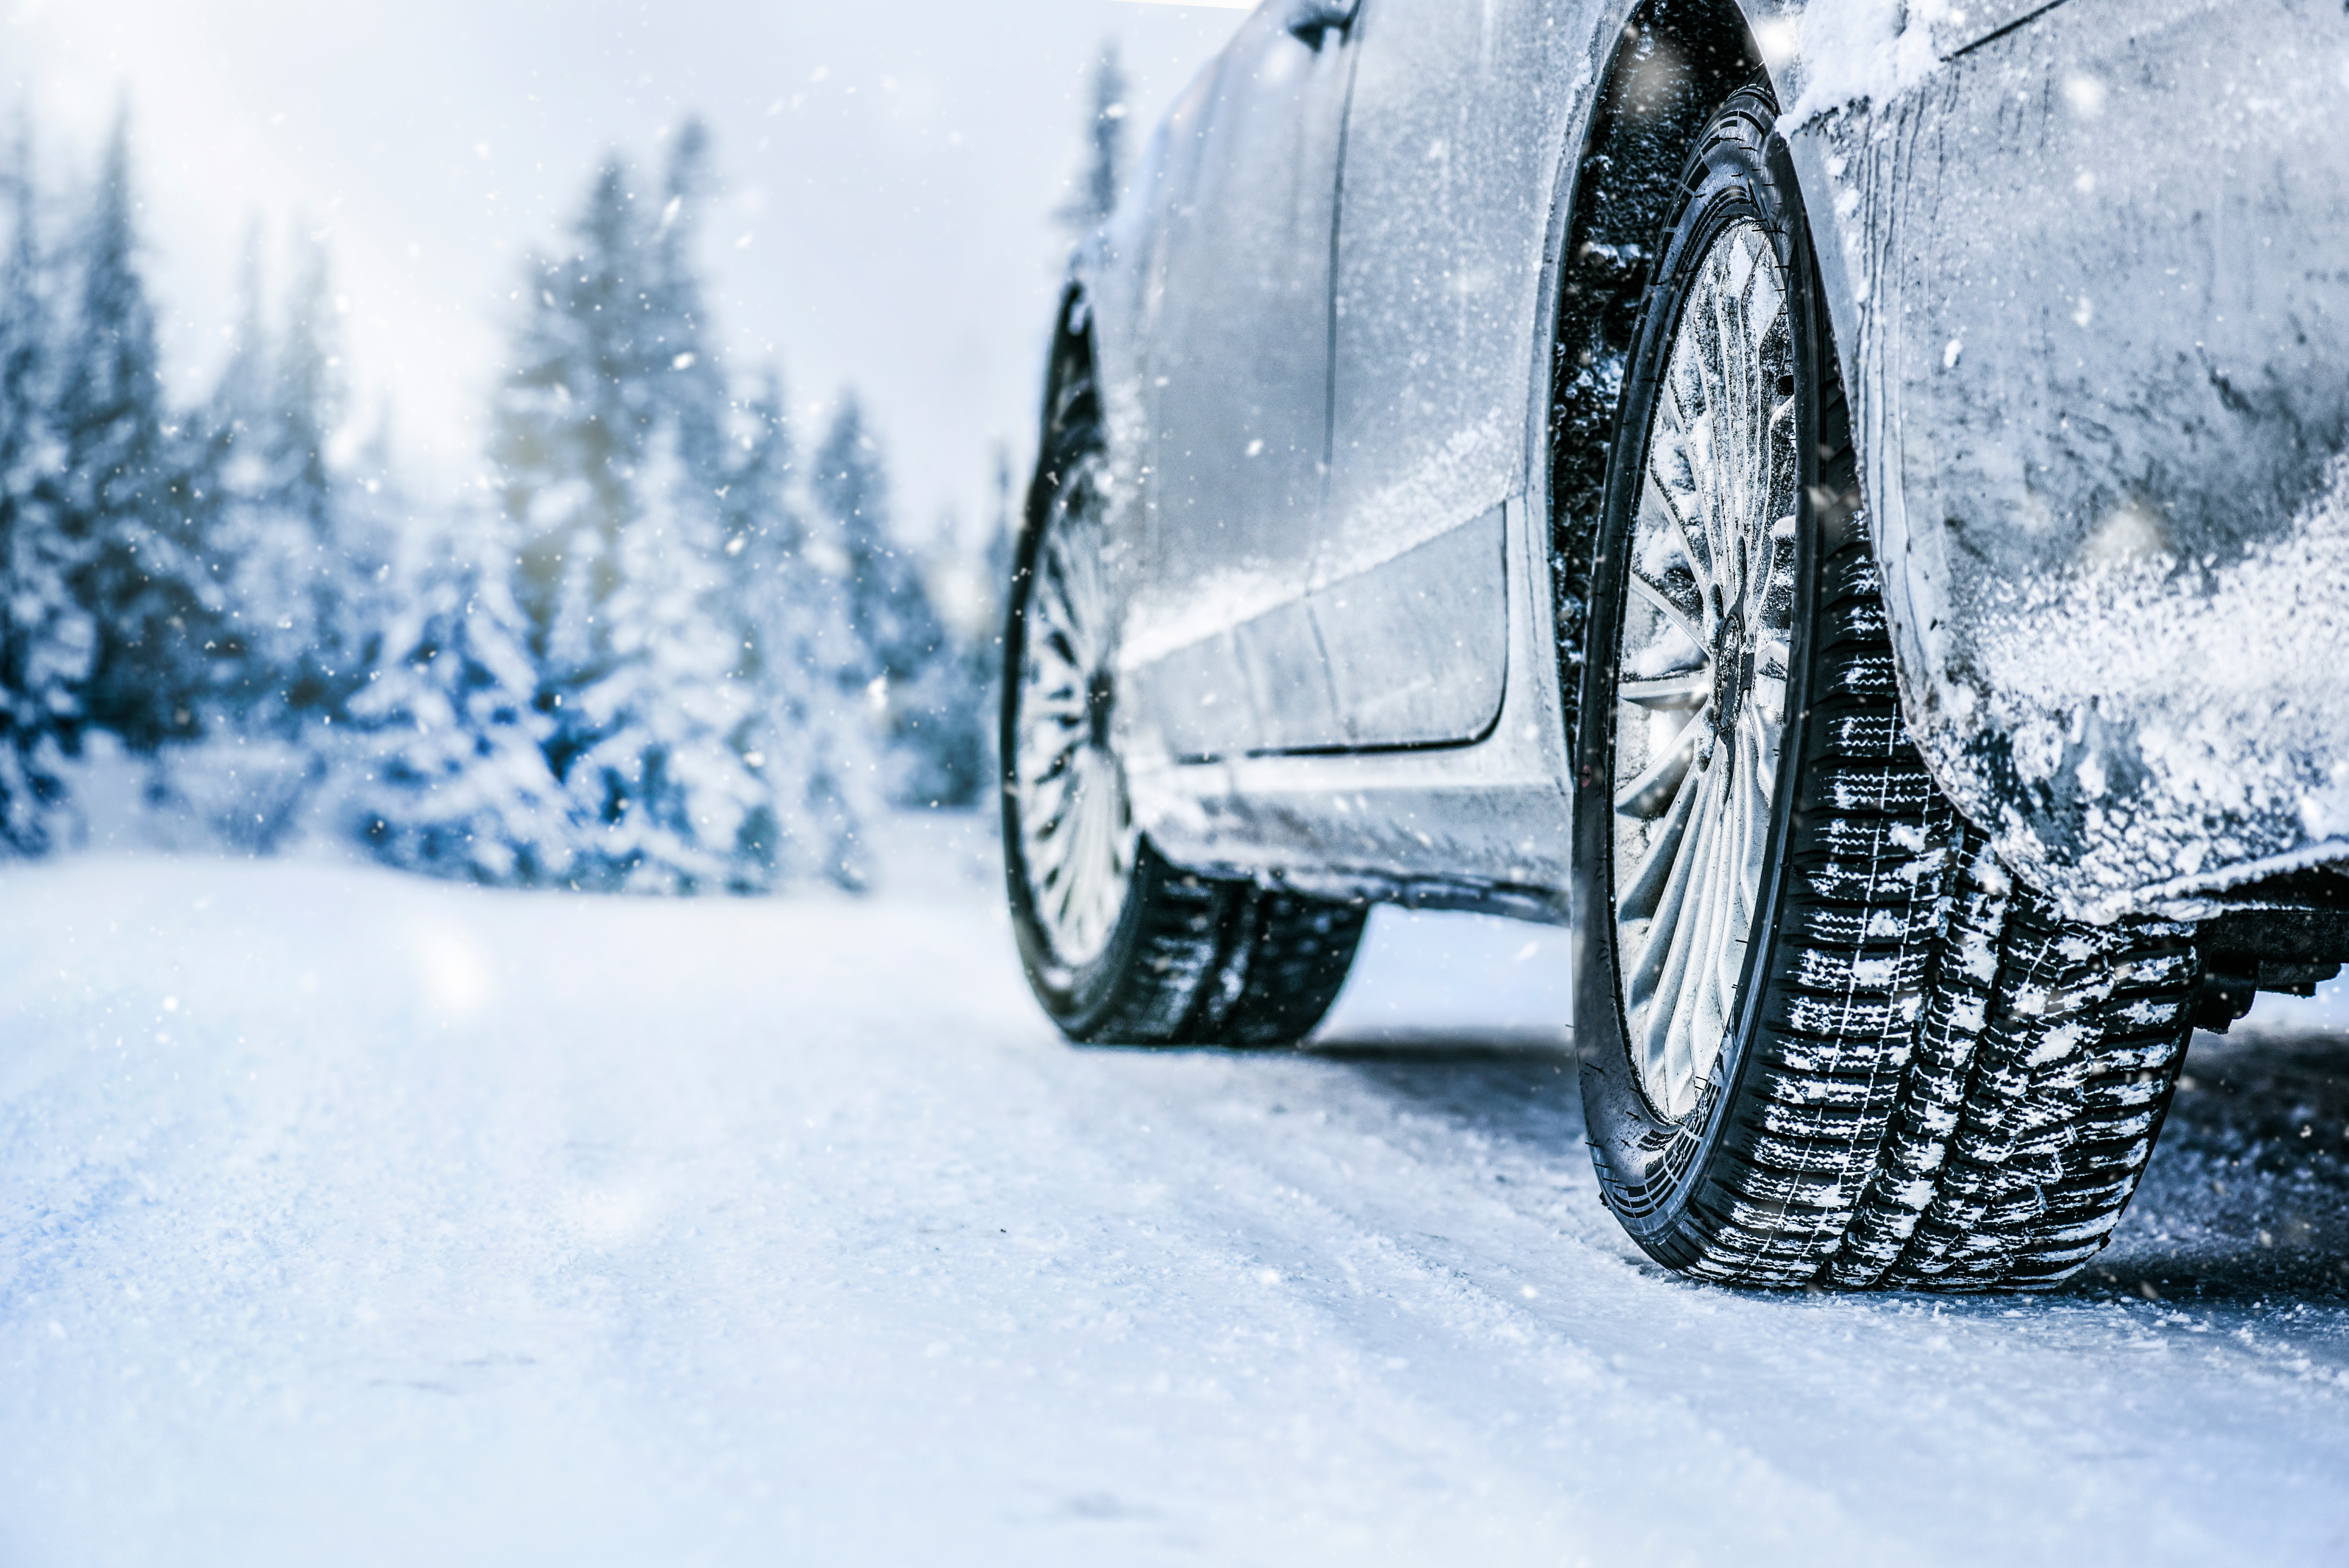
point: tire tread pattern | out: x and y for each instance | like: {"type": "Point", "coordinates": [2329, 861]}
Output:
{"type": "Point", "coordinates": [1959, 1088]}
{"type": "Point", "coordinates": [1175, 953]}
{"type": "Point", "coordinates": [1220, 963]}
{"type": "Point", "coordinates": [1284, 963]}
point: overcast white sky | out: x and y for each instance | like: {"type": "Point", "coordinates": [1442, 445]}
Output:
{"type": "Point", "coordinates": [890, 171]}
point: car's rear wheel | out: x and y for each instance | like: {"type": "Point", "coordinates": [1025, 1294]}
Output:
{"type": "Point", "coordinates": [1120, 946]}
{"type": "Point", "coordinates": [1827, 1039]}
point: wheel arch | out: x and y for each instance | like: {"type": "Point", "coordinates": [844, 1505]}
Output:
{"type": "Point", "coordinates": [1073, 351]}
{"type": "Point", "coordinates": [1614, 194]}
{"type": "Point", "coordinates": [1670, 64]}
{"type": "Point", "coordinates": [1093, 369]}
{"type": "Point", "coordinates": [1069, 350]}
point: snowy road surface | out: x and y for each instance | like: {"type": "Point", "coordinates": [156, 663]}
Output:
{"type": "Point", "coordinates": [356, 1218]}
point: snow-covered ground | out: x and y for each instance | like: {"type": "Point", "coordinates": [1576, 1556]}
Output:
{"type": "Point", "coordinates": [351, 1218]}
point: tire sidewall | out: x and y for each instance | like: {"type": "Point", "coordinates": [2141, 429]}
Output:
{"type": "Point", "coordinates": [1651, 1169]}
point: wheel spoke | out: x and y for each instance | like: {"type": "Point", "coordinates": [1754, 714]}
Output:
{"type": "Point", "coordinates": [1646, 796]}
{"type": "Point", "coordinates": [1685, 689]}
{"type": "Point", "coordinates": [1735, 921]}
{"type": "Point", "coordinates": [1679, 893]}
{"type": "Point", "coordinates": [1670, 960]}
{"type": "Point", "coordinates": [1638, 898]}
{"type": "Point", "coordinates": [1696, 1016]}
{"type": "Point", "coordinates": [1659, 601]}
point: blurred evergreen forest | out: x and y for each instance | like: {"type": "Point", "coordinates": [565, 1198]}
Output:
{"type": "Point", "coordinates": [668, 647]}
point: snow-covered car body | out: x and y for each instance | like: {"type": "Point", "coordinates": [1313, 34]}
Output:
{"type": "Point", "coordinates": [1358, 328]}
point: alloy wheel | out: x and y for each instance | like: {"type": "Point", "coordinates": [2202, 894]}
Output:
{"type": "Point", "coordinates": [1076, 828]}
{"type": "Point", "coordinates": [1700, 715]}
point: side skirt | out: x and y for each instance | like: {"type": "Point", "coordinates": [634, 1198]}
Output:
{"type": "Point", "coordinates": [1486, 825]}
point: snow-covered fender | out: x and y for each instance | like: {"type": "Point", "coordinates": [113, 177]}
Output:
{"type": "Point", "coordinates": [1114, 289]}
{"type": "Point", "coordinates": [2088, 264]}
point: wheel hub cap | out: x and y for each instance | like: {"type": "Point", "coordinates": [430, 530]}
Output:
{"type": "Point", "coordinates": [1732, 668]}
{"type": "Point", "coordinates": [1099, 693]}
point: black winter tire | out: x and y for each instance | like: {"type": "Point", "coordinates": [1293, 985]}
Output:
{"type": "Point", "coordinates": [1120, 946]}
{"type": "Point", "coordinates": [1922, 1076]}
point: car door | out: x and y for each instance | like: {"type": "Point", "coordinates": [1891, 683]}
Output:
{"type": "Point", "coordinates": [1218, 639]}
{"type": "Point", "coordinates": [1450, 150]}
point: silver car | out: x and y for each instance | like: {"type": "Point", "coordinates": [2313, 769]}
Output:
{"type": "Point", "coordinates": [1842, 504]}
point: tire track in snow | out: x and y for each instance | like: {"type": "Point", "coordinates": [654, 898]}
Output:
{"type": "Point", "coordinates": [2015, 1394]}
{"type": "Point", "coordinates": [1466, 1348]}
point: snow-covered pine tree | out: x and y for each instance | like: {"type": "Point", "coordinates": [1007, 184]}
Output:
{"type": "Point", "coordinates": [455, 781]}
{"type": "Point", "coordinates": [671, 801]}
{"type": "Point", "coordinates": [570, 425]}
{"type": "Point", "coordinates": [1096, 186]}
{"type": "Point", "coordinates": [344, 549]}
{"type": "Point", "coordinates": [612, 439]}
{"type": "Point", "coordinates": [944, 715]}
{"type": "Point", "coordinates": [688, 379]}
{"type": "Point", "coordinates": [1002, 544]}
{"type": "Point", "coordinates": [984, 654]}
{"type": "Point", "coordinates": [299, 559]}
{"type": "Point", "coordinates": [811, 738]}
{"type": "Point", "coordinates": [910, 671]}
{"type": "Point", "coordinates": [129, 504]}
{"type": "Point", "coordinates": [259, 556]}
{"type": "Point", "coordinates": [45, 636]}
{"type": "Point", "coordinates": [373, 518]}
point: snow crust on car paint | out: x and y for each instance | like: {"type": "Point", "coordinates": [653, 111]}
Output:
{"type": "Point", "coordinates": [1423, 504]}
{"type": "Point", "coordinates": [1397, 522]}
{"type": "Point", "coordinates": [2107, 338]}
{"type": "Point", "coordinates": [2211, 746]}
{"type": "Point", "coordinates": [1159, 622]}
{"type": "Point", "coordinates": [1844, 52]}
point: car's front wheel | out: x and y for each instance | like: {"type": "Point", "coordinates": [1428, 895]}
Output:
{"type": "Point", "coordinates": [1827, 1039]}
{"type": "Point", "coordinates": [1120, 946]}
